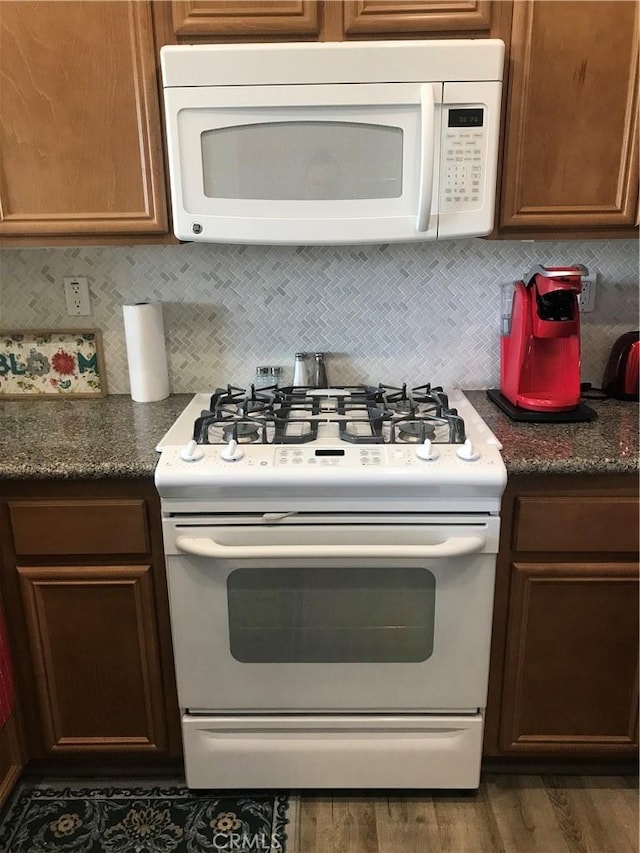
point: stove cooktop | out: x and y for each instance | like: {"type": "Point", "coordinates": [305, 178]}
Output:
{"type": "Point", "coordinates": [345, 448]}
{"type": "Point", "coordinates": [357, 414]}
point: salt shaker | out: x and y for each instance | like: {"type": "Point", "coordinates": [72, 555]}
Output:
{"type": "Point", "coordinates": [300, 371]}
{"type": "Point", "coordinates": [263, 378]}
{"type": "Point", "coordinates": [320, 380]}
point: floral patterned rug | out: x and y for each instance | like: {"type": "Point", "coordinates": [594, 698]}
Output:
{"type": "Point", "coordinates": [145, 818]}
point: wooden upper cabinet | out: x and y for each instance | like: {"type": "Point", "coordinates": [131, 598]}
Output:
{"type": "Point", "coordinates": [245, 18]}
{"type": "Point", "coordinates": [572, 117]}
{"type": "Point", "coordinates": [415, 16]}
{"type": "Point", "coordinates": [331, 20]}
{"type": "Point", "coordinates": [80, 131]}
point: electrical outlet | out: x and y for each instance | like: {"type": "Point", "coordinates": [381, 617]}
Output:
{"type": "Point", "coordinates": [76, 294]}
{"type": "Point", "coordinates": [587, 298]}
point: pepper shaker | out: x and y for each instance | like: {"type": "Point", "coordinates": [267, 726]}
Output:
{"type": "Point", "coordinates": [277, 376]}
{"type": "Point", "coordinates": [320, 380]}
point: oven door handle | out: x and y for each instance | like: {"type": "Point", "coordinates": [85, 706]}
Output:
{"type": "Point", "coordinates": [456, 546]}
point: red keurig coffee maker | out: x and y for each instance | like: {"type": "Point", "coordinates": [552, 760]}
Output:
{"type": "Point", "coordinates": [540, 348]}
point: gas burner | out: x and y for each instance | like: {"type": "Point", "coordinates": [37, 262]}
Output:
{"type": "Point", "coordinates": [251, 406]}
{"type": "Point", "coordinates": [243, 432]}
{"type": "Point", "coordinates": [231, 396]}
{"type": "Point", "coordinates": [402, 407]}
{"type": "Point", "coordinates": [421, 400]}
{"type": "Point", "coordinates": [395, 399]}
{"type": "Point", "coordinates": [433, 399]}
{"type": "Point", "coordinates": [415, 430]}
{"type": "Point", "coordinates": [220, 428]}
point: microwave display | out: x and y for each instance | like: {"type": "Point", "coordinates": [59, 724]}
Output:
{"type": "Point", "coordinates": [466, 118]}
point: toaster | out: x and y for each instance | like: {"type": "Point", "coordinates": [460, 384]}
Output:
{"type": "Point", "coordinates": [621, 376]}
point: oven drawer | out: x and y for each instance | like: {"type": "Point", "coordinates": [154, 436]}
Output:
{"type": "Point", "coordinates": [331, 751]}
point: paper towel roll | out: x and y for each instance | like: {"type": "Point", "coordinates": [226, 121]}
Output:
{"type": "Point", "coordinates": [146, 353]}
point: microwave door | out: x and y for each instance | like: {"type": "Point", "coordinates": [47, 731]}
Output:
{"type": "Point", "coordinates": [305, 164]}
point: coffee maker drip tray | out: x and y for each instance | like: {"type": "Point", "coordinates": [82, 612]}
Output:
{"type": "Point", "coordinates": [580, 414]}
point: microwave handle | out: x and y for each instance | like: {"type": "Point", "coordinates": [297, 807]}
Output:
{"type": "Point", "coordinates": [454, 547]}
{"type": "Point", "coordinates": [427, 136]}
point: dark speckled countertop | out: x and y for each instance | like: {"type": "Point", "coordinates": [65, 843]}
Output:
{"type": "Point", "coordinates": [608, 444]}
{"type": "Point", "coordinates": [84, 439]}
{"type": "Point", "coordinates": [115, 437]}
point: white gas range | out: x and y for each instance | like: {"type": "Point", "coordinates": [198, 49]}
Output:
{"type": "Point", "coordinates": [330, 560]}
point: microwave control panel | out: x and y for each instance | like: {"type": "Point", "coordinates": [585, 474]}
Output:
{"type": "Point", "coordinates": [463, 159]}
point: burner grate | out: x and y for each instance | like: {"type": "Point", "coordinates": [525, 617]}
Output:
{"type": "Point", "coordinates": [358, 414]}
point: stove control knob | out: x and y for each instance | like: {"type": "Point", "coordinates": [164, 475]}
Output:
{"type": "Point", "coordinates": [191, 452]}
{"type": "Point", "coordinates": [468, 452]}
{"type": "Point", "coordinates": [232, 452]}
{"type": "Point", "coordinates": [426, 451]}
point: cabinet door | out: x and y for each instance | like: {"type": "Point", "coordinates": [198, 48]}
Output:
{"type": "Point", "coordinates": [572, 116]}
{"type": "Point", "coordinates": [80, 130]}
{"type": "Point", "coordinates": [416, 16]}
{"type": "Point", "coordinates": [571, 665]}
{"type": "Point", "coordinates": [93, 642]}
{"type": "Point", "coordinates": [245, 18]}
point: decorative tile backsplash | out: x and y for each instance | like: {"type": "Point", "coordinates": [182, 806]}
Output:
{"type": "Point", "coordinates": [412, 312]}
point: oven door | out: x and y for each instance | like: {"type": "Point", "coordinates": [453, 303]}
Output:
{"type": "Point", "coordinates": [332, 616]}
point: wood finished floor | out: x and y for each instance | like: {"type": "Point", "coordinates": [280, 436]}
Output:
{"type": "Point", "coordinates": [510, 814]}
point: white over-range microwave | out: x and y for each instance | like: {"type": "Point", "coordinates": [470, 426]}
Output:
{"type": "Point", "coordinates": [324, 143]}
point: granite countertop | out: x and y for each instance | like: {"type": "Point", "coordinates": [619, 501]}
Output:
{"type": "Point", "coordinates": [606, 445]}
{"type": "Point", "coordinates": [115, 437]}
{"type": "Point", "coordinates": [84, 439]}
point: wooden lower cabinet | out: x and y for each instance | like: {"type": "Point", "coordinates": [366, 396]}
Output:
{"type": "Point", "coordinates": [570, 680]}
{"type": "Point", "coordinates": [564, 660]}
{"type": "Point", "coordinates": [85, 595]}
{"type": "Point", "coordinates": [92, 636]}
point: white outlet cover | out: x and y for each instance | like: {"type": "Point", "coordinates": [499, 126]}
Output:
{"type": "Point", "coordinates": [77, 297]}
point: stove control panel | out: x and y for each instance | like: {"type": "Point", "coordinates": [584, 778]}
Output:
{"type": "Point", "coordinates": [428, 458]}
{"type": "Point", "coordinates": [375, 456]}
{"type": "Point", "coordinates": [324, 457]}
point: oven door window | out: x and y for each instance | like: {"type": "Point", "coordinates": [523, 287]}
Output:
{"type": "Point", "coordinates": [324, 615]}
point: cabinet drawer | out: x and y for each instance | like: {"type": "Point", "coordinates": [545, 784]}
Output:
{"type": "Point", "coordinates": [576, 524]}
{"type": "Point", "coordinates": [80, 526]}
